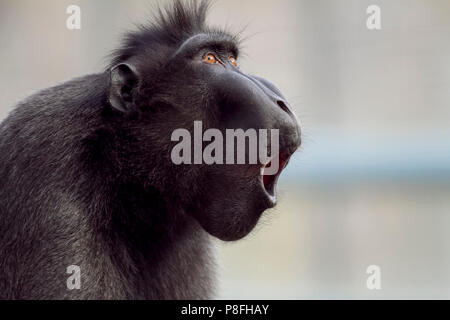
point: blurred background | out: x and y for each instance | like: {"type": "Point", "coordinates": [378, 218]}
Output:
{"type": "Point", "coordinates": [371, 184]}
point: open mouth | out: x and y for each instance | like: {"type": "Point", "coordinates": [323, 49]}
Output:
{"type": "Point", "coordinates": [269, 181]}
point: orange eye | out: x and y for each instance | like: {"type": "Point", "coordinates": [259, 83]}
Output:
{"type": "Point", "coordinates": [210, 58]}
{"type": "Point", "coordinates": [233, 61]}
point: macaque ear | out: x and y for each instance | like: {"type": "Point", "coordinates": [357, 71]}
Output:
{"type": "Point", "coordinates": [124, 82]}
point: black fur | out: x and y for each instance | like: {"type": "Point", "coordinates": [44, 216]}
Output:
{"type": "Point", "coordinates": [82, 183]}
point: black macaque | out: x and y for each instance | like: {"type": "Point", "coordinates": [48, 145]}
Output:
{"type": "Point", "coordinates": [86, 176]}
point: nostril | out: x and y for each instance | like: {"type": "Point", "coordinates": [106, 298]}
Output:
{"type": "Point", "coordinates": [283, 106]}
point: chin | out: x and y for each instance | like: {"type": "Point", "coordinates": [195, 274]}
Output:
{"type": "Point", "coordinates": [232, 204]}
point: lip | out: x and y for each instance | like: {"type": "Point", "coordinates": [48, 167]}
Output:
{"type": "Point", "coordinates": [269, 182]}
